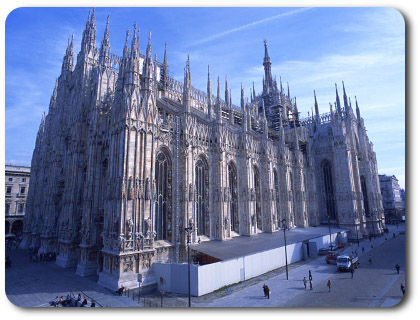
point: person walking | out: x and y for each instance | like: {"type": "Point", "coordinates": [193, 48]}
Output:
{"type": "Point", "coordinates": [370, 259]}
{"type": "Point", "coordinates": [265, 290]}
{"type": "Point", "coordinates": [329, 285]}
{"type": "Point", "coordinates": [310, 284]}
{"type": "Point", "coordinates": [310, 275]}
{"type": "Point", "coordinates": [352, 272]}
{"type": "Point", "coordinates": [397, 267]}
{"type": "Point", "coordinates": [402, 289]}
{"type": "Point", "coordinates": [305, 282]}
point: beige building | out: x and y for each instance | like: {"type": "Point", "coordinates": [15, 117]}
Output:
{"type": "Point", "coordinates": [16, 188]}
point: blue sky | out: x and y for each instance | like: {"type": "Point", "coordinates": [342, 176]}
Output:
{"type": "Point", "coordinates": [311, 48]}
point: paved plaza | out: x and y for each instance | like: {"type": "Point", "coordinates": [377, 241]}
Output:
{"type": "Point", "coordinates": [377, 285]}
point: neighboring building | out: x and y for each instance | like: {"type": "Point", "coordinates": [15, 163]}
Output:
{"type": "Point", "coordinates": [391, 197]}
{"type": "Point", "coordinates": [402, 192]}
{"type": "Point", "coordinates": [17, 182]}
{"type": "Point", "coordinates": [127, 157]}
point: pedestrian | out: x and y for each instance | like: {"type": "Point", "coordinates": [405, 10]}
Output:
{"type": "Point", "coordinates": [305, 282]}
{"type": "Point", "coordinates": [310, 275]}
{"type": "Point", "coordinates": [329, 285]}
{"type": "Point", "coordinates": [84, 302]}
{"type": "Point", "coordinates": [79, 298]}
{"type": "Point", "coordinates": [397, 266]}
{"type": "Point", "coordinates": [363, 249]}
{"type": "Point", "coordinates": [402, 289]}
{"type": "Point", "coordinates": [8, 262]}
{"type": "Point", "coordinates": [265, 290]}
{"type": "Point", "coordinates": [352, 272]}
{"type": "Point", "coordinates": [310, 284]}
{"type": "Point", "coordinates": [56, 301]}
{"type": "Point", "coordinates": [370, 259]}
{"type": "Point", "coordinates": [93, 304]}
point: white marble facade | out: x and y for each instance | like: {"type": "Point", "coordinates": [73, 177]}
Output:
{"type": "Point", "coordinates": [127, 156]}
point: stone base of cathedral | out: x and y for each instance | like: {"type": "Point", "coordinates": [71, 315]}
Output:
{"type": "Point", "coordinates": [48, 244]}
{"type": "Point", "coordinates": [88, 264]}
{"type": "Point", "coordinates": [26, 240]}
{"type": "Point", "coordinates": [68, 255]}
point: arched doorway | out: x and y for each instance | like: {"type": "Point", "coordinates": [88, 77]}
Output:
{"type": "Point", "coordinates": [17, 227]}
{"type": "Point", "coordinates": [233, 199]}
{"type": "Point", "coordinates": [7, 225]}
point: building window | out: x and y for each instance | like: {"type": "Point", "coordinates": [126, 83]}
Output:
{"type": "Point", "coordinates": [201, 183]}
{"type": "Point", "coordinates": [22, 189]}
{"type": "Point", "coordinates": [10, 179]}
{"type": "Point", "coordinates": [7, 208]}
{"type": "Point", "coordinates": [258, 213]}
{"type": "Point", "coordinates": [365, 195]}
{"type": "Point", "coordinates": [23, 179]}
{"type": "Point", "coordinates": [9, 189]}
{"type": "Point", "coordinates": [20, 207]}
{"type": "Point", "coordinates": [276, 190]}
{"type": "Point", "coordinates": [163, 197]}
{"type": "Point", "coordinates": [329, 190]}
{"type": "Point", "coordinates": [233, 206]}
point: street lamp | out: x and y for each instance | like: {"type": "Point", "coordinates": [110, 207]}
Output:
{"type": "Point", "coordinates": [189, 230]}
{"type": "Point", "coordinates": [329, 229]}
{"type": "Point", "coordinates": [373, 226]}
{"type": "Point", "coordinates": [357, 235]}
{"type": "Point", "coordinates": [284, 226]}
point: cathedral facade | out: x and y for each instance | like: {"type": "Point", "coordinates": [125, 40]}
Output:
{"type": "Point", "coordinates": [128, 158]}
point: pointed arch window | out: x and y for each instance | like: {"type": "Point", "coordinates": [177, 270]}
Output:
{"type": "Point", "coordinates": [365, 195]}
{"type": "Point", "coordinates": [329, 190]}
{"type": "Point", "coordinates": [163, 196]}
{"type": "Point", "coordinates": [233, 200]}
{"type": "Point", "coordinates": [276, 195]}
{"type": "Point", "coordinates": [201, 197]}
{"type": "Point", "coordinates": [258, 213]}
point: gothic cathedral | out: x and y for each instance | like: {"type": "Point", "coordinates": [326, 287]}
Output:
{"type": "Point", "coordinates": [127, 158]}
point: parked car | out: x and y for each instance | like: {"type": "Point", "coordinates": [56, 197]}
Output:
{"type": "Point", "coordinates": [323, 251]}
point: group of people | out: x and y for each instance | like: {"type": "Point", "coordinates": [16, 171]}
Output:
{"type": "Point", "coordinates": [83, 302]}
{"type": "Point", "coordinates": [305, 282]}
{"type": "Point", "coordinates": [34, 256]}
{"type": "Point", "coordinates": [10, 243]}
{"type": "Point", "coordinates": [61, 302]}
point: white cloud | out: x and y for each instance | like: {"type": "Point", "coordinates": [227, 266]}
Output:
{"type": "Point", "coordinates": [249, 25]}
